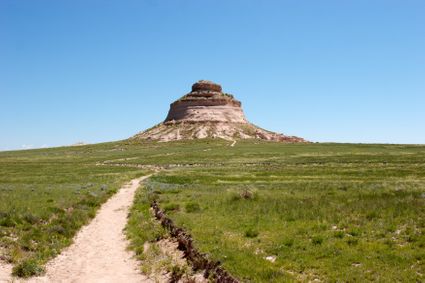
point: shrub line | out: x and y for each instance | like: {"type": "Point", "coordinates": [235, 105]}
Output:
{"type": "Point", "coordinates": [198, 260]}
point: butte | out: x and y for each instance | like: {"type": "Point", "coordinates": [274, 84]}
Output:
{"type": "Point", "coordinates": [208, 112]}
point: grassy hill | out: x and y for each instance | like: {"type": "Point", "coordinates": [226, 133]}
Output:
{"type": "Point", "coordinates": [269, 212]}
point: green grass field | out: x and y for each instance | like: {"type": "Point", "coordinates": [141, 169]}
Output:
{"type": "Point", "coordinates": [269, 212]}
{"type": "Point", "coordinates": [47, 195]}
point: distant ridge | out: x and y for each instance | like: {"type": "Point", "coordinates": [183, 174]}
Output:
{"type": "Point", "coordinates": [207, 112]}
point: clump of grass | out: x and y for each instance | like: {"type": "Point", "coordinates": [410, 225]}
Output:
{"type": "Point", "coordinates": [317, 240]}
{"type": "Point", "coordinates": [289, 242]}
{"type": "Point", "coordinates": [8, 221]}
{"type": "Point", "coordinates": [171, 207]}
{"type": "Point", "coordinates": [245, 194]}
{"type": "Point", "coordinates": [172, 191]}
{"type": "Point", "coordinates": [192, 207]}
{"type": "Point", "coordinates": [371, 215]}
{"type": "Point", "coordinates": [177, 273]}
{"type": "Point", "coordinates": [339, 234]}
{"type": "Point", "coordinates": [31, 218]}
{"type": "Point", "coordinates": [352, 241]}
{"type": "Point", "coordinates": [251, 233]}
{"type": "Point", "coordinates": [27, 268]}
{"type": "Point", "coordinates": [142, 227]}
{"type": "Point", "coordinates": [354, 232]}
{"type": "Point", "coordinates": [57, 229]}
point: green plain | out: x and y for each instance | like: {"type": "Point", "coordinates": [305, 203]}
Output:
{"type": "Point", "coordinates": [270, 212]}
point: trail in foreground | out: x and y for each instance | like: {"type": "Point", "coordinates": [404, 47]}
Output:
{"type": "Point", "coordinates": [99, 253]}
{"type": "Point", "coordinates": [5, 270]}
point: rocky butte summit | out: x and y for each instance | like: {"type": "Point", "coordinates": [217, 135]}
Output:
{"type": "Point", "coordinates": [208, 112]}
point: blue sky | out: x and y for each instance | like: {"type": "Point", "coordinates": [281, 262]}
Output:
{"type": "Point", "coordinates": [93, 71]}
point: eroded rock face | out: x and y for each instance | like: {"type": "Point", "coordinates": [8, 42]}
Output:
{"type": "Point", "coordinates": [206, 103]}
{"type": "Point", "coordinates": [207, 112]}
{"type": "Point", "coordinates": [203, 85]}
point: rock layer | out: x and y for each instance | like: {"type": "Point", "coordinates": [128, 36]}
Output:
{"type": "Point", "coordinates": [206, 103]}
{"type": "Point", "coordinates": [207, 112]}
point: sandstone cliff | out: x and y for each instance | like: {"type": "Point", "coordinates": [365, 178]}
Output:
{"type": "Point", "coordinates": [207, 112]}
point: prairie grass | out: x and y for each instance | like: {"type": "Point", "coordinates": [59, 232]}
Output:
{"type": "Point", "coordinates": [269, 212]}
{"type": "Point", "coordinates": [321, 211]}
{"type": "Point", "coordinates": [46, 196]}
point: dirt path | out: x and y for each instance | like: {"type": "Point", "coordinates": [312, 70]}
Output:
{"type": "Point", "coordinates": [99, 253]}
{"type": "Point", "coordinates": [5, 270]}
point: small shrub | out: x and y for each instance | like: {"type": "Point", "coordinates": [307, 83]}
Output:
{"type": "Point", "coordinates": [31, 218]}
{"type": "Point", "coordinates": [343, 188]}
{"type": "Point", "coordinates": [389, 243]}
{"type": "Point", "coordinates": [176, 273]}
{"type": "Point", "coordinates": [192, 207]}
{"type": "Point", "coordinates": [153, 197]}
{"type": "Point", "coordinates": [371, 215]}
{"type": "Point", "coordinates": [352, 241]}
{"type": "Point", "coordinates": [339, 234]}
{"type": "Point", "coordinates": [171, 207]}
{"type": "Point", "coordinates": [27, 268]}
{"type": "Point", "coordinates": [317, 240]}
{"type": "Point", "coordinates": [421, 242]}
{"type": "Point", "coordinates": [57, 210]}
{"type": "Point", "coordinates": [245, 194]}
{"type": "Point", "coordinates": [290, 218]}
{"type": "Point", "coordinates": [354, 232]}
{"type": "Point", "coordinates": [172, 191]}
{"type": "Point", "coordinates": [391, 228]}
{"type": "Point", "coordinates": [235, 197]}
{"type": "Point", "coordinates": [58, 229]}
{"type": "Point", "coordinates": [251, 233]}
{"type": "Point", "coordinates": [411, 238]}
{"type": "Point", "coordinates": [288, 242]}
{"type": "Point", "coordinates": [7, 222]}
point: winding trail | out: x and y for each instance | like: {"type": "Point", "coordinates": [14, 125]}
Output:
{"type": "Point", "coordinates": [99, 252]}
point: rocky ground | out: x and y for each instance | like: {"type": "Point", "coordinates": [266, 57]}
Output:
{"type": "Point", "coordinates": [171, 131]}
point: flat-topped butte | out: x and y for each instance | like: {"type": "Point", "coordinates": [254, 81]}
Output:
{"type": "Point", "coordinates": [208, 112]}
